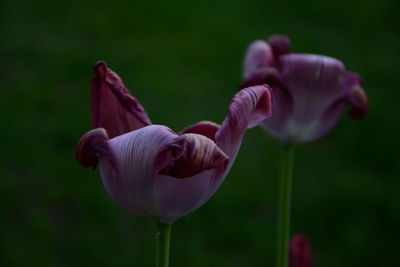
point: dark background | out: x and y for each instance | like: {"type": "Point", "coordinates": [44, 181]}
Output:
{"type": "Point", "coordinates": [183, 61]}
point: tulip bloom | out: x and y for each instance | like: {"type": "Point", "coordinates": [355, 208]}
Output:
{"type": "Point", "coordinates": [150, 170]}
{"type": "Point", "coordinates": [299, 252]}
{"type": "Point", "coordinates": [310, 91]}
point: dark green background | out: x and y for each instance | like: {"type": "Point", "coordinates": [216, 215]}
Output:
{"type": "Point", "coordinates": [182, 60]}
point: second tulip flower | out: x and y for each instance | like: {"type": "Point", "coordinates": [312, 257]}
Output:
{"type": "Point", "coordinates": [310, 91]}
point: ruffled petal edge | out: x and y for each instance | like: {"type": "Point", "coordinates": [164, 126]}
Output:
{"type": "Point", "coordinates": [113, 107]}
{"type": "Point", "coordinates": [92, 146]}
{"type": "Point", "coordinates": [189, 155]}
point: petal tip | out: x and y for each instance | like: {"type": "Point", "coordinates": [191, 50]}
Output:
{"type": "Point", "coordinates": [258, 55]}
{"type": "Point", "coordinates": [280, 44]}
{"type": "Point", "coordinates": [359, 103]}
{"type": "Point", "coordinates": [92, 145]}
{"type": "Point", "coordinates": [247, 109]}
{"type": "Point", "coordinates": [100, 67]}
{"type": "Point", "coordinates": [113, 107]}
{"type": "Point", "coordinates": [280, 40]}
{"type": "Point", "coordinates": [262, 108]}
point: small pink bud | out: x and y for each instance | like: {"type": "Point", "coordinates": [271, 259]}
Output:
{"type": "Point", "coordinates": [299, 252]}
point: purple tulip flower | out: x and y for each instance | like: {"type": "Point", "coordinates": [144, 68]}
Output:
{"type": "Point", "coordinates": [309, 91]}
{"type": "Point", "coordinates": [299, 252]}
{"type": "Point", "coordinates": [150, 170]}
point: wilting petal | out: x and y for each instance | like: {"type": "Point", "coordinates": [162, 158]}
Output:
{"type": "Point", "coordinates": [188, 155]}
{"type": "Point", "coordinates": [248, 108]}
{"type": "Point", "coordinates": [92, 146]}
{"type": "Point", "coordinates": [299, 252]}
{"type": "Point", "coordinates": [258, 55]}
{"type": "Point", "coordinates": [113, 108]}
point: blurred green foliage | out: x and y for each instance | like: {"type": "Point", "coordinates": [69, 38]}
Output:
{"type": "Point", "coordinates": [182, 60]}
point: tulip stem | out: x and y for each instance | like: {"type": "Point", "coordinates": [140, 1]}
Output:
{"type": "Point", "coordinates": [285, 192]}
{"type": "Point", "coordinates": [162, 248]}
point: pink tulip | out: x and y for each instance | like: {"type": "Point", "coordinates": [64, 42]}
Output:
{"type": "Point", "coordinates": [309, 91]}
{"type": "Point", "coordinates": [150, 170]}
{"type": "Point", "coordinates": [299, 252]}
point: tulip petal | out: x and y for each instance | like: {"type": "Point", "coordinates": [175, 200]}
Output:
{"type": "Point", "coordinates": [299, 252]}
{"type": "Point", "coordinates": [248, 107]}
{"type": "Point", "coordinates": [280, 45]}
{"type": "Point", "coordinates": [357, 98]}
{"type": "Point", "coordinates": [282, 109]}
{"type": "Point", "coordinates": [113, 107]}
{"type": "Point", "coordinates": [282, 106]}
{"type": "Point", "coordinates": [261, 76]}
{"type": "Point", "coordinates": [138, 184]}
{"type": "Point", "coordinates": [326, 122]}
{"type": "Point", "coordinates": [258, 55]}
{"type": "Point", "coordinates": [92, 146]}
{"type": "Point", "coordinates": [131, 184]}
{"type": "Point", "coordinates": [316, 82]}
{"type": "Point", "coordinates": [206, 128]}
{"type": "Point", "coordinates": [189, 155]}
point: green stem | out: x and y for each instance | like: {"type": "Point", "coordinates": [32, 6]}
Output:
{"type": "Point", "coordinates": [285, 192]}
{"type": "Point", "coordinates": [162, 249]}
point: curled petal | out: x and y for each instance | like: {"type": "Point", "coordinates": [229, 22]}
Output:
{"type": "Point", "coordinates": [359, 103]}
{"type": "Point", "coordinates": [299, 252]}
{"type": "Point", "coordinates": [258, 55]}
{"type": "Point", "coordinates": [113, 107]}
{"type": "Point", "coordinates": [280, 45]}
{"type": "Point", "coordinates": [189, 155]}
{"type": "Point", "coordinates": [92, 146]}
{"type": "Point", "coordinates": [357, 98]}
{"type": "Point", "coordinates": [282, 106]}
{"type": "Point", "coordinates": [248, 107]}
{"type": "Point", "coordinates": [206, 128]}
